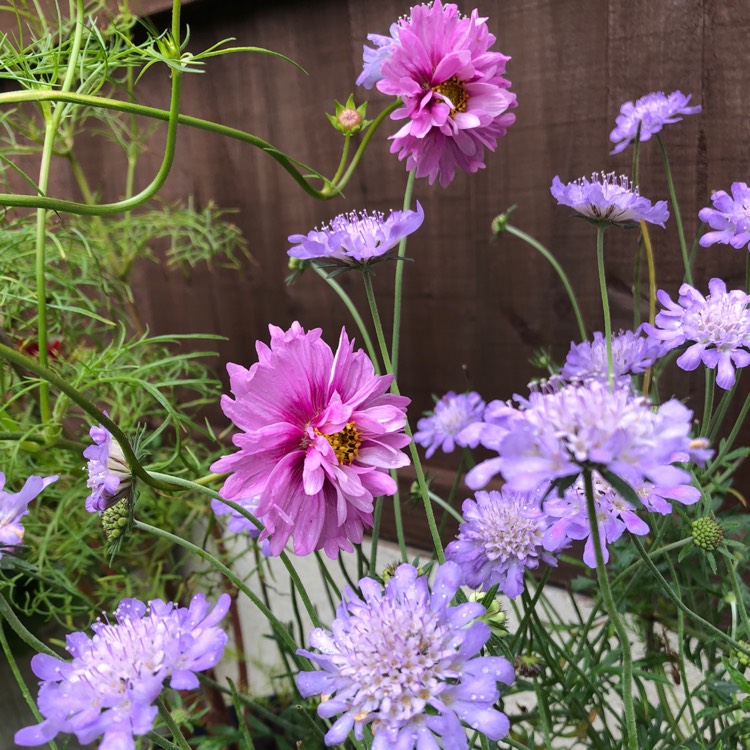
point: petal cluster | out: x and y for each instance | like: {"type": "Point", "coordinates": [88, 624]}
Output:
{"type": "Point", "coordinates": [319, 432]}
{"type": "Point", "coordinates": [651, 112]}
{"type": "Point", "coordinates": [109, 475]}
{"type": "Point", "coordinates": [455, 99]}
{"type": "Point", "coordinates": [716, 327]}
{"type": "Point", "coordinates": [406, 663]}
{"type": "Point", "coordinates": [13, 507]}
{"type": "Point", "coordinates": [441, 428]}
{"type": "Point", "coordinates": [115, 676]}
{"type": "Point", "coordinates": [729, 218]}
{"type": "Point", "coordinates": [374, 57]}
{"type": "Point", "coordinates": [356, 238]}
{"type": "Point", "coordinates": [608, 199]}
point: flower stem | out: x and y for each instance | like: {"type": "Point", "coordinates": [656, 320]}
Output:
{"type": "Point", "coordinates": [631, 736]}
{"type": "Point", "coordinates": [729, 442]}
{"type": "Point", "coordinates": [558, 269]}
{"type": "Point", "coordinates": [344, 156]}
{"type": "Point", "coordinates": [7, 613]}
{"type": "Point", "coordinates": [651, 292]}
{"type": "Point", "coordinates": [175, 730]}
{"type": "Point", "coordinates": [708, 400]}
{"type": "Point", "coordinates": [422, 484]}
{"type": "Point", "coordinates": [676, 209]}
{"type": "Point", "coordinates": [605, 302]}
{"type": "Point", "coordinates": [399, 280]}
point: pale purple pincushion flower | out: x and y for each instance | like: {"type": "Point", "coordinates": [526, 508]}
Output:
{"type": "Point", "coordinates": [500, 538]}
{"type": "Point", "coordinates": [13, 507]}
{"type": "Point", "coordinates": [455, 99]}
{"type": "Point", "coordinates": [651, 112]}
{"type": "Point", "coordinates": [108, 689]}
{"type": "Point", "coordinates": [406, 662]}
{"type": "Point", "coordinates": [729, 217]}
{"type": "Point", "coordinates": [319, 433]}
{"type": "Point", "coordinates": [374, 57]}
{"type": "Point", "coordinates": [109, 476]}
{"type": "Point", "coordinates": [238, 524]}
{"type": "Point", "coordinates": [560, 429]}
{"type": "Point", "coordinates": [356, 239]}
{"type": "Point", "coordinates": [451, 415]}
{"type": "Point", "coordinates": [717, 328]}
{"type": "Point", "coordinates": [631, 354]}
{"type": "Point", "coordinates": [608, 199]}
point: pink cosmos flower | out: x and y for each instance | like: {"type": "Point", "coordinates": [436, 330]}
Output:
{"type": "Point", "coordinates": [455, 98]}
{"type": "Point", "coordinates": [319, 433]}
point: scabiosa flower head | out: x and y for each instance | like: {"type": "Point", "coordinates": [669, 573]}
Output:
{"type": "Point", "coordinates": [609, 199]}
{"type": "Point", "coordinates": [405, 662]}
{"type": "Point", "coordinates": [108, 689]}
{"type": "Point", "coordinates": [563, 428]}
{"type": "Point", "coordinates": [652, 112]}
{"type": "Point", "coordinates": [109, 473]}
{"type": "Point", "coordinates": [319, 433]}
{"type": "Point", "coordinates": [374, 57]}
{"type": "Point", "coordinates": [500, 538]}
{"type": "Point", "coordinates": [631, 354]}
{"type": "Point", "coordinates": [452, 414]}
{"type": "Point", "coordinates": [729, 217]}
{"type": "Point", "coordinates": [455, 98]}
{"type": "Point", "coordinates": [13, 507]}
{"type": "Point", "coordinates": [717, 328]}
{"type": "Point", "coordinates": [356, 239]}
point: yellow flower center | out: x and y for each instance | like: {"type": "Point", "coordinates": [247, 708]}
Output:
{"type": "Point", "coordinates": [345, 443]}
{"type": "Point", "coordinates": [454, 90]}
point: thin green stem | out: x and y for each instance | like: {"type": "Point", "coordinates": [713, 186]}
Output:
{"type": "Point", "coordinates": [344, 156]}
{"type": "Point", "coordinates": [447, 507]}
{"type": "Point", "coordinates": [558, 269]}
{"type": "Point", "coordinates": [605, 302]}
{"type": "Point", "coordinates": [399, 280]}
{"type": "Point", "coordinates": [676, 211]}
{"type": "Point", "coordinates": [718, 417]}
{"type": "Point", "coordinates": [376, 517]}
{"type": "Point", "coordinates": [174, 729]}
{"type": "Point", "coordinates": [729, 442]}
{"type": "Point", "coordinates": [636, 155]}
{"type": "Point", "coordinates": [739, 596]}
{"type": "Point", "coordinates": [7, 614]}
{"type": "Point", "coordinates": [421, 482]}
{"type": "Point", "coordinates": [352, 308]}
{"type": "Point", "coordinates": [631, 734]}
{"type": "Point", "coordinates": [708, 399]}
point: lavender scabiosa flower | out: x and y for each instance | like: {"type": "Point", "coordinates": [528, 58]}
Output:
{"type": "Point", "coordinates": [238, 524]}
{"type": "Point", "coordinates": [729, 218]}
{"type": "Point", "coordinates": [500, 538]}
{"type": "Point", "coordinates": [319, 434]}
{"type": "Point", "coordinates": [609, 199]}
{"type": "Point", "coordinates": [108, 689]}
{"type": "Point", "coordinates": [631, 354]}
{"type": "Point", "coordinates": [374, 57]}
{"type": "Point", "coordinates": [442, 427]}
{"type": "Point", "coordinates": [13, 507]}
{"type": "Point", "coordinates": [455, 98]}
{"type": "Point", "coordinates": [356, 239]}
{"type": "Point", "coordinates": [563, 428]}
{"type": "Point", "coordinates": [405, 662]}
{"type": "Point", "coordinates": [109, 474]}
{"type": "Point", "coordinates": [717, 328]}
{"type": "Point", "coordinates": [651, 112]}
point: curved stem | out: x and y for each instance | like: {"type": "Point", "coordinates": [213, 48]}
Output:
{"type": "Point", "coordinates": [558, 269]}
{"type": "Point", "coordinates": [631, 736]}
{"type": "Point", "coordinates": [399, 280]}
{"type": "Point", "coordinates": [676, 209]}
{"type": "Point", "coordinates": [344, 155]}
{"type": "Point", "coordinates": [7, 614]}
{"type": "Point", "coordinates": [605, 302]}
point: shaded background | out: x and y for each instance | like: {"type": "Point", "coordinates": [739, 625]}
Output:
{"type": "Point", "coordinates": [474, 310]}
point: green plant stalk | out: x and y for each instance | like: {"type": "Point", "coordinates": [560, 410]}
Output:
{"type": "Point", "coordinates": [726, 447]}
{"type": "Point", "coordinates": [376, 516]}
{"type": "Point", "coordinates": [605, 302]}
{"type": "Point", "coordinates": [7, 614]}
{"type": "Point", "coordinates": [352, 308]}
{"type": "Point", "coordinates": [735, 581]}
{"type": "Point", "coordinates": [676, 210]}
{"type": "Point", "coordinates": [399, 280]}
{"type": "Point", "coordinates": [718, 417]}
{"type": "Point", "coordinates": [175, 730]}
{"type": "Point", "coordinates": [342, 162]}
{"type": "Point", "coordinates": [558, 269]}
{"type": "Point", "coordinates": [708, 399]}
{"type": "Point", "coordinates": [651, 293]}
{"type": "Point", "coordinates": [631, 734]}
{"type": "Point", "coordinates": [52, 125]}
{"type": "Point", "coordinates": [422, 484]}
{"type": "Point", "coordinates": [20, 681]}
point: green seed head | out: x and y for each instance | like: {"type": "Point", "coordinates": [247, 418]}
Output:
{"type": "Point", "coordinates": [115, 519]}
{"type": "Point", "coordinates": [707, 533]}
{"type": "Point", "coordinates": [744, 659]}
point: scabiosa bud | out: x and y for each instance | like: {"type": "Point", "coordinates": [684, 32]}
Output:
{"type": "Point", "coordinates": [499, 540]}
{"type": "Point", "coordinates": [349, 118]}
{"type": "Point", "coordinates": [651, 112]}
{"type": "Point", "coordinates": [406, 663]}
{"type": "Point", "coordinates": [109, 687]}
{"type": "Point", "coordinates": [729, 218]}
{"type": "Point", "coordinates": [528, 665]}
{"type": "Point", "coordinates": [109, 477]}
{"type": "Point", "coordinates": [742, 658]}
{"type": "Point", "coordinates": [717, 327]}
{"type": "Point", "coordinates": [495, 616]}
{"type": "Point", "coordinates": [441, 427]}
{"type": "Point", "coordinates": [708, 533]}
{"type": "Point", "coordinates": [13, 507]}
{"type": "Point", "coordinates": [609, 199]}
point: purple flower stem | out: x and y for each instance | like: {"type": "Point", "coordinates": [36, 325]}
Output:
{"type": "Point", "coordinates": [605, 303]}
{"type": "Point", "coordinates": [631, 734]}
{"type": "Point", "coordinates": [676, 209]}
{"type": "Point", "coordinates": [176, 732]}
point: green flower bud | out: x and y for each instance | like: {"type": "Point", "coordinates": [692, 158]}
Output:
{"type": "Point", "coordinates": [744, 659]}
{"type": "Point", "coordinates": [707, 533]}
{"type": "Point", "coordinates": [528, 665]}
{"type": "Point", "coordinates": [495, 617]}
{"type": "Point", "coordinates": [349, 119]}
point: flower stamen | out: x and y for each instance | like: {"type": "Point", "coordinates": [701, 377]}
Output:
{"type": "Point", "coordinates": [345, 443]}
{"type": "Point", "coordinates": [454, 91]}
